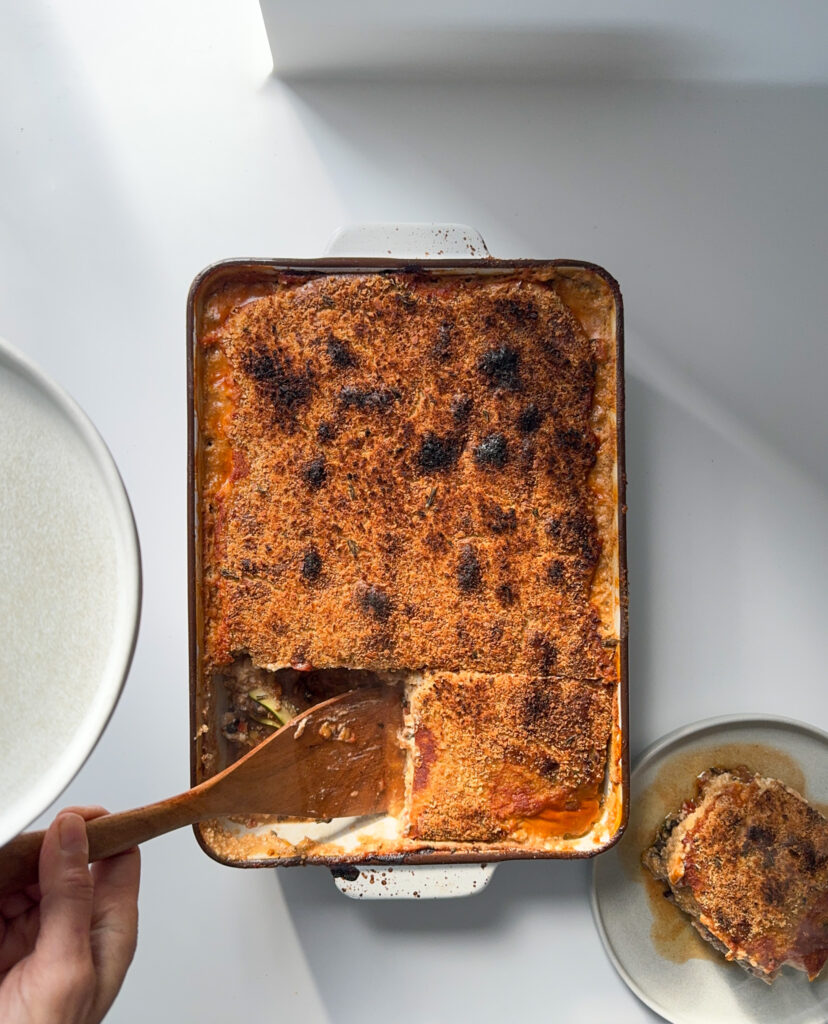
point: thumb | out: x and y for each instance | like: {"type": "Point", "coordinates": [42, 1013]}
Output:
{"type": "Point", "coordinates": [63, 945]}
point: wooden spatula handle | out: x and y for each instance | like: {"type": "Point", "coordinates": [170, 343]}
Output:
{"type": "Point", "coordinates": [108, 835]}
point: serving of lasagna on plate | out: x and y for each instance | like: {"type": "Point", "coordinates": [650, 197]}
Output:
{"type": "Point", "coordinates": [412, 475]}
{"type": "Point", "coordinates": [747, 861]}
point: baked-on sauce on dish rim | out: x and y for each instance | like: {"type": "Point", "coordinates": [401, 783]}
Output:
{"type": "Point", "coordinates": [411, 475]}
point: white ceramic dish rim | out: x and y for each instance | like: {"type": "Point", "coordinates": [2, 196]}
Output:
{"type": "Point", "coordinates": [659, 747]}
{"type": "Point", "coordinates": [125, 634]}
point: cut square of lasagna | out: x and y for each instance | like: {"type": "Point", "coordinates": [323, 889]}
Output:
{"type": "Point", "coordinates": [747, 860]}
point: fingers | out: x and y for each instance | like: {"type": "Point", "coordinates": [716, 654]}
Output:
{"type": "Point", "coordinates": [62, 952]}
{"type": "Point", "coordinates": [114, 922]}
{"type": "Point", "coordinates": [87, 813]}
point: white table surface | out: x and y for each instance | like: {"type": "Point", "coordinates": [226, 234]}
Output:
{"type": "Point", "coordinates": [140, 142]}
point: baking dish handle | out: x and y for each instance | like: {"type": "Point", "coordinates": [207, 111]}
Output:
{"type": "Point", "coordinates": [412, 882]}
{"type": "Point", "coordinates": [408, 241]}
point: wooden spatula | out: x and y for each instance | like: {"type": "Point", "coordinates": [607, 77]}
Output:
{"type": "Point", "coordinates": [339, 759]}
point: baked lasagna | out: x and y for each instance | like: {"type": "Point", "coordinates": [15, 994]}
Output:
{"type": "Point", "coordinates": [411, 476]}
{"type": "Point", "coordinates": [747, 861]}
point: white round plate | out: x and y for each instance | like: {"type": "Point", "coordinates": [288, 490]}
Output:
{"type": "Point", "coordinates": [70, 590]}
{"type": "Point", "coordinates": [651, 943]}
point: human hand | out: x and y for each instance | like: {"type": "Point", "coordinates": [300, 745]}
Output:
{"type": "Point", "coordinates": [66, 943]}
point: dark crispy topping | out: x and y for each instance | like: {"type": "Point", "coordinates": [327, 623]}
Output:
{"type": "Point", "coordinates": [545, 653]}
{"type": "Point", "coordinates": [576, 534]}
{"type": "Point", "coordinates": [325, 432]}
{"type": "Point", "coordinates": [497, 519]}
{"type": "Point", "coordinates": [441, 349]}
{"type": "Point", "coordinates": [339, 353]}
{"type": "Point", "coordinates": [555, 572]}
{"type": "Point", "coordinates": [492, 451]}
{"type": "Point", "coordinates": [460, 408]}
{"type": "Point", "coordinates": [311, 565]}
{"type": "Point", "coordinates": [757, 835]}
{"type": "Point", "coordinates": [530, 419]}
{"type": "Point", "coordinates": [572, 440]}
{"type": "Point", "coordinates": [505, 594]}
{"type": "Point", "coordinates": [406, 299]}
{"type": "Point", "coordinates": [374, 601]}
{"type": "Point", "coordinates": [272, 372]}
{"type": "Point", "coordinates": [519, 311]}
{"type": "Point", "coordinates": [536, 705]}
{"type": "Point", "coordinates": [501, 366]}
{"type": "Point", "coordinates": [381, 398]}
{"type": "Point", "coordinates": [573, 452]}
{"type": "Point", "coordinates": [468, 570]}
{"type": "Point", "coordinates": [314, 472]}
{"type": "Point", "coordinates": [438, 453]}
{"type": "Point", "coordinates": [549, 767]}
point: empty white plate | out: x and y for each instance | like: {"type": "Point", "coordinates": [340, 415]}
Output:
{"type": "Point", "coordinates": [651, 943]}
{"type": "Point", "coordinates": [70, 590]}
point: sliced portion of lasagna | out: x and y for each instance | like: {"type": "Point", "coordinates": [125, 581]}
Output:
{"type": "Point", "coordinates": [747, 859]}
{"type": "Point", "coordinates": [513, 757]}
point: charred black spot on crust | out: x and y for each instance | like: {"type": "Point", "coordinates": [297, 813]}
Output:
{"type": "Point", "coordinates": [555, 572]}
{"type": "Point", "coordinates": [572, 440]}
{"type": "Point", "coordinates": [497, 519]}
{"type": "Point", "coordinates": [438, 453]}
{"type": "Point", "coordinates": [374, 601]}
{"type": "Point", "coordinates": [544, 653]}
{"type": "Point", "coordinates": [575, 533]}
{"type": "Point", "coordinates": [501, 366]}
{"type": "Point", "coordinates": [757, 835]}
{"type": "Point", "coordinates": [804, 850]}
{"type": "Point", "coordinates": [460, 408]}
{"type": "Point", "coordinates": [325, 432]}
{"type": "Point", "coordinates": [468, 570]}
{"type": "Point", "coordinates": [379, 399]}
{"type": "Point", "coordinates": [522, 312]}
{"type": "Point", "coordinates": [505, 595]}
{"type": "Point", "coordinates": [314, 473]}
{"type": "Point", "coordinates": [535, 707]}
{"type": "Point", "coordinates": [272, 372]}
{"type": "Point", "coordinates": [311, 565]}
{"type": "Point", "coordinates": [339, 353]}
{"type": "Point", "coordinates": [773, 892]}
{"type": "Point", "coordinates": [529, 419]}
{"type": "Point", "coordinates": [492, 451]}
{"type": "Point", "coordinates": [327, 302]}
{"type": "Point", "coordinates": [441, 349]}
{"type": "Point", "coordinates": [549, 767]}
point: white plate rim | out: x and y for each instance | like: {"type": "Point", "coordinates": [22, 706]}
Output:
{"type": "Point", "coordinates": [125, 631]}
{"type": "Point", "coordinates": [649, 754]}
